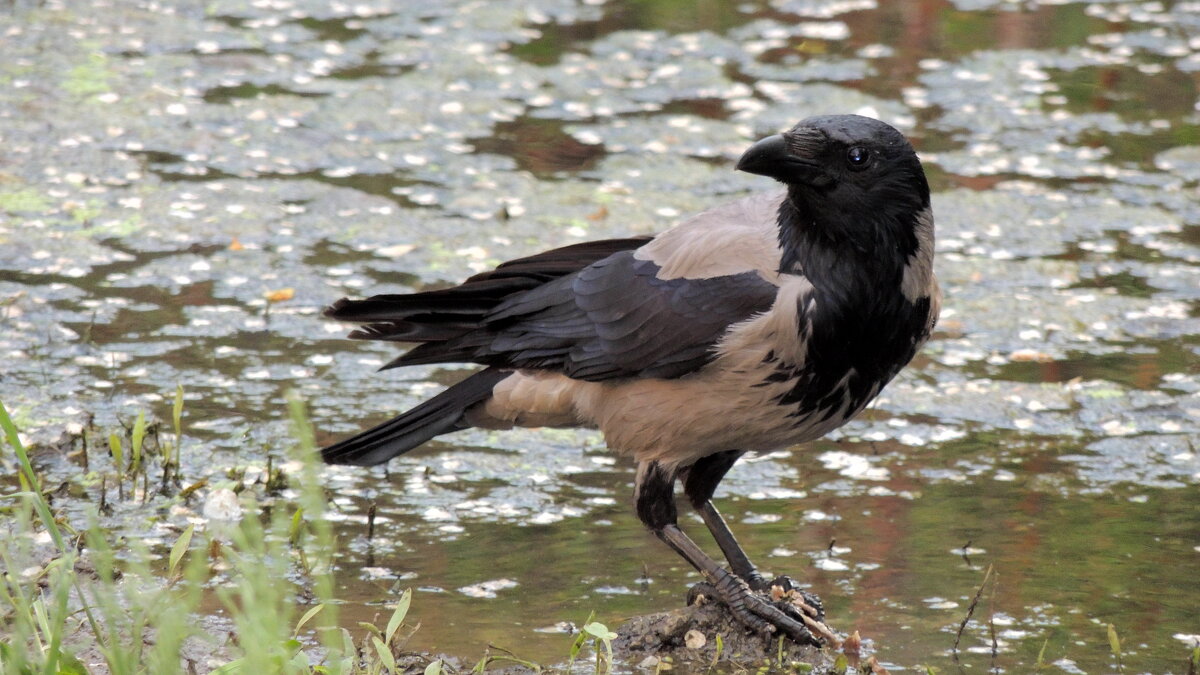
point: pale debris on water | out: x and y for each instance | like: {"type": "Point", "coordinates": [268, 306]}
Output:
{"type": "Point", "coordinates": [487, 589]}
{"type": "Point", "coordinates": [968, 550]}
{"type": "Point", "coordinates": [853, 466]}
{"type": "Point", "coordinates": [222, 504]}
{"type": "Point", "coordinates": [615, 590]}
{"type": "Point", "coordinates": [817, 516]}
{"type": "Point", "coordinates": [546, 518]}
{"type": "Point", "coordinates": [777, 493]}
{"type": "Point", "coordinates": [1190, 639]}
{"type": "Point", "coordinates": [831, 565]}
{"type": "Point", "coordinates": [436, 513]}
{"type": "Point", "coordinates": [374, 573]}
{"type": "Point", "coordinates": [940, 603]}
{"type": "Point", "coordinates": [752, 518]}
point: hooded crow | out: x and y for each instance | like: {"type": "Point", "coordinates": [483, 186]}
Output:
{"type": "Point", "coordinates": [752, 326]}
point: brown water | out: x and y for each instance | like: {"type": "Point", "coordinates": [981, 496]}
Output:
{"type": "Point", "coordinates": [166, 167]}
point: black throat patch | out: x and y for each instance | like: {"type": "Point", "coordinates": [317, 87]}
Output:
{"type": "Point", "coordinates": [863, 328]}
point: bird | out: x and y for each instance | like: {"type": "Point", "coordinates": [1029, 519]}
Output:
{"type": "Point", "coordinates": [750, 327]}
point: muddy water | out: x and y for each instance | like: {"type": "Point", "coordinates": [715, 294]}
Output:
{"type": "Point", "coordinates": [182, 187]}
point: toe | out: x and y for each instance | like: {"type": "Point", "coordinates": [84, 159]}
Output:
{"type": "Point", "coordinates": [779, 619]}
{"type": "Point", "coordinates": [811, 604]}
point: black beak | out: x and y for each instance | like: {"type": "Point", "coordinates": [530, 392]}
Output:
{"type": "Point", "coordinates": [765, 157]}
{"type": "Point", "coordinates": [789, 157]}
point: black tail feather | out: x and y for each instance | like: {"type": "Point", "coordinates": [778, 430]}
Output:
{"type": "Point", "coordinates": [421, 329]}
{"type": "Point", "coordinates": [439, 415]}
{"type": "Point", "coordinates": [473, 299]}
{"type": "Point", "coordinates": [560, 261]}
{"type": "Point", "coordinates": [444, 314]}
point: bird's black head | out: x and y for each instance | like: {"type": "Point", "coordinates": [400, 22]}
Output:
{"type": "Point", "coordinates": [853, 180]}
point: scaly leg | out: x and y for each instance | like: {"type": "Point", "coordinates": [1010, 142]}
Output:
{"type": "Point", "coordinates": [655, 496]}
{"type": "Point", "coordinates": [699, 483]}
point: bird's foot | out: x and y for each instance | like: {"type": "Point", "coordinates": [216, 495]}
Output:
{"type": "Point", "coordinates": [783, 588]}
{"type": "Point", "coordinates": [775, 608]}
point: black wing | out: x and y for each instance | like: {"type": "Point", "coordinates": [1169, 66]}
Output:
{"type": "Point", "coordinates": [612, 319]}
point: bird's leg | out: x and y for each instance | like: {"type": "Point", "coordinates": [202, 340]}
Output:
{"type": "Point", "coordinates": [738, 561]}
{"type": "Point", "coordinates": [656, 508]}
{"type": "Point", "coordinates": [782, 585]}
{"type": "Point", "coordinates": [699, 484]}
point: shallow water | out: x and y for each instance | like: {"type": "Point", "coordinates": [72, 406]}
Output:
{"type": "Point", "coordinates": [184, 186]}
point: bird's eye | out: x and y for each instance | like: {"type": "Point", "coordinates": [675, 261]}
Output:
{"type": "Point", "coordinates": [858, 157]}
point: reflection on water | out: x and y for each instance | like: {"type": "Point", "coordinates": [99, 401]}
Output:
{"type": "Point", "coordinates": [182, 191]}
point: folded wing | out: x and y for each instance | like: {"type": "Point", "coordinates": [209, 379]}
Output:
{"type": "Point", "coordinates": [613, 319]}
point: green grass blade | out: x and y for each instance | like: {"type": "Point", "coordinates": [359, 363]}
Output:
{"type": "Point", "coordinates": [137, 437]}
{"type": "Point", "coordinates": [234, 667]}
{"type": "Point", "coordinates": [118, 453]}
{"type": "Point", "coordinates": [1114, 643]}
{"type": "Point", "coordinates": [29, 476]}
{"type": "Point", "coordinates": [385, 654]}
{"type": "Point", "coordinates": [398, 616]}
{"type": "Point", "coordinates": [179, 548]}
{"type": "Point", "coordinates": [10, 432]}
{"type": "Point", "coordinates": [304, 619]}
{"type": "Point", "coordinates": [177, 412]}
{"type": "Point", "coordinates": [177, 422]}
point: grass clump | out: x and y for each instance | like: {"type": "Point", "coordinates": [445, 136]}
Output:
{"type": "Point", "coordinates": [77, 599]}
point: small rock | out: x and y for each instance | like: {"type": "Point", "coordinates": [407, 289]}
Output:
{"type": "Point", "coordinates": [222, 504]}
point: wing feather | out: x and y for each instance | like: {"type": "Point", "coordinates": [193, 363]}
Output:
{"type": "Point", "coordinates": [599, 311]}
{"type": "Point", "coordinates": [613, 319]}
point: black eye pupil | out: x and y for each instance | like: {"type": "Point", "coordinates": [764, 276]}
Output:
{"type": "Point", "coordinates": [858, 156]}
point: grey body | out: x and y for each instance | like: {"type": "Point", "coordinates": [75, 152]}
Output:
{"type": "Point", "coordinates": [728, 403]}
